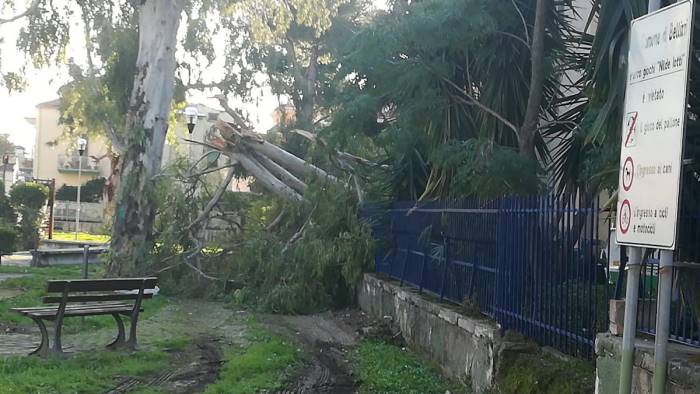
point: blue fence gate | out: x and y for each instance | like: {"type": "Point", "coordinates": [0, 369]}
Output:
{"type": "Point", "coordinates": [530, 263]}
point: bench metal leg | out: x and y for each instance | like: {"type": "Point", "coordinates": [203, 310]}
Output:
{"type": "Point", "coordinates": [131, 342]}
{"type": "Point", "coordinates": [57, 348]}
{"type": "Point", "coordinates": [119, 342]}
{"type": "Point", "coordinates": [43, 349]}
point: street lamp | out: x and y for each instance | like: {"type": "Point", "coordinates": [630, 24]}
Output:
{"type": "Point", "coordinates": [191, 114]}
{"type": "Point", "coordinates": [82, 144]}
{"type": "Point", "coordinates": [5, 162]}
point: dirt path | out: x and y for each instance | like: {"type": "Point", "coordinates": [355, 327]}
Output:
{"type": "Point", "coordinates": [194, 369]}
{"type": "Point", "coordinates": [327, 338]}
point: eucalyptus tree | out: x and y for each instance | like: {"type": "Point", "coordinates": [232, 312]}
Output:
{"type": "Point", "coordinates": [135, 64]}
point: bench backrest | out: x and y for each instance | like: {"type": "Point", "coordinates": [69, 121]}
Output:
{"type": "Point", "coordinates": [118, 289]}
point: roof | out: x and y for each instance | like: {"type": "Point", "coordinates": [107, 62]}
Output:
{"type": "Point", "coordinates": [52, 103]}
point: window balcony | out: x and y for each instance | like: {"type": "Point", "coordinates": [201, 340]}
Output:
{"type": "Point", "coordinates": [69, 163]}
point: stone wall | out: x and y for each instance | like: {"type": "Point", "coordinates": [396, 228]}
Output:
{"type": "Point", "coordinates": [467, 348]}
{"type": "Point", "coordinates": [684, 365]}
{"type": "Point", "coordinates": [91, 216]}
{"type": "Point", "coordinates": [683, 370]}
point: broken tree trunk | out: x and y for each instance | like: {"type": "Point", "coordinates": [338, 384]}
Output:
{"type": "Point", "coordinates": [270, 182]}
{"type": "Point", "coordinates": [280, 172]}
{"type": "Point", "coordinates": [146, 125]}
{"type": "Point", "coordinates": [300, 168]}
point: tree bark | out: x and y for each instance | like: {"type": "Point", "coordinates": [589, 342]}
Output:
{"type": "Point", "coordinates": [266, 179]}
{"type": "Point", "coordinates": [527, 132]}
{"type": "Point", "coordinates": [295, 165]}
{"type": "Point", "coordinates": [146, 125]}
{"type": "Point", "coordinates": [282, 174]}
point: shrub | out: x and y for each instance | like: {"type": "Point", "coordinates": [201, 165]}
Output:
{"type": "Point", "coordinates": [8, 240]}
{"type": "Point", "coordinates": [7, 212]}
{"type": "Point", "coordinates": [90, 191]}
{"type": "Point", "coordinates": [28, 199]}
{"type": "Point", "coordinates": [29, 195]}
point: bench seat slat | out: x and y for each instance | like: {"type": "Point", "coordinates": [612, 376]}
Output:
{"type": "Point", "coordinates": [94, 297]}
{"type": "Point", "coordinates": [82, 312]}
{"type": "Point", "coordinates": [81, 285]}
{"type": "Point", "coordinates": [73, 306]}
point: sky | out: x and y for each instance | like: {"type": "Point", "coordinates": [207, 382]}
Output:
{"type": "Point", "coordinates": [43, 85]}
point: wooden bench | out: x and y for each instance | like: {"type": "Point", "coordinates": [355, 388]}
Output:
{"type": "Point", "coordinates": [90, 297]}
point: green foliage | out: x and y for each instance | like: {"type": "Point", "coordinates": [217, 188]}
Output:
{"type": "Point", "coordinates": [8, 239]}
{"type": "Point", "coordinates": [483, 169]}
{"type": "Point", "coordinates": [313, 262]}
{"type": "Point", "coordinates": [29, 199]}
{"type": "Point", "coordinates": [545, 374]}
{"type": "Point", "coordinates": [409, 80]}
{"type": "Point", "coordinates": [385, 368]}
{"type": "Point", "coordinates": [8, 215]}
{"type": "Point", "coordinates": [6, 146]}
{"type": "Point", "coordinates": [26, 195]}
{"type": "Point", "coordinates": [90, 191]}
{"type": "Point", "coordinates": [264, 366]}
{"type": "Point", "coordinates": [90, 103]}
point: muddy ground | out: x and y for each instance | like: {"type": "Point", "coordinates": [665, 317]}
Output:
{"type": "Point", "coordinates": [325, 338]}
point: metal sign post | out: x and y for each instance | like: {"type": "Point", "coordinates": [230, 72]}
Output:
{"type": "Point", "coordinates": [651, 162]}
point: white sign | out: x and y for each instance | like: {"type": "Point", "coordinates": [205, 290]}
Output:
{"type": "Point", "coordinates": [653, 127]}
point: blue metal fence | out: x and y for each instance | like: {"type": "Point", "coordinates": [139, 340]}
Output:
{"type": "Point", "coordinates": [531, 263]}
{"type": "Point", "coordinates": [685, 298]}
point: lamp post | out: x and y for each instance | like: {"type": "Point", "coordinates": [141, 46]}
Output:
{"type": "Point", "coordinates": [191, 114]}
{"type": "Point", "coordinates": [82, 144]}
{"type": "Point", "coordinates": [5, 162]}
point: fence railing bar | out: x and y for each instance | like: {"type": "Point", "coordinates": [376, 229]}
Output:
{"type": "Point", "coordinates": [554, 329]}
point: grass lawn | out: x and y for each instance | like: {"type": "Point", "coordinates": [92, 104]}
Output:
{"type": "Point", "coordinates": [92, 372]}
{"type": "Point", "coordinates": [64, 236]}
{"type": "Point", "coordinates": [32, 288]}
{"type": "Point", "coordinates": [384, 368]}
{"type": "Point", "coordinates": [264, 366]}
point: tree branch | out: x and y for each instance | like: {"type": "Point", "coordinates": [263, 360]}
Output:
{"type": "Point", "coordinates": [32, 7]}
{"type": "Point", "coordinates": [214, 199]}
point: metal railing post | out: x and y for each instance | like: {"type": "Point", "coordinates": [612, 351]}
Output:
{"type": "Point", "coordinates": [86, 252]}
{"type": "Point", "coordinates": [663, 318]}
{"type": "Point", "coordinates": [634, 266]}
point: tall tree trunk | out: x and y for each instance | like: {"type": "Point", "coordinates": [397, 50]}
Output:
{"type": "Point", "coordinates": [146, 125]}
{"type": "Point", "coordinates": [527, 132]}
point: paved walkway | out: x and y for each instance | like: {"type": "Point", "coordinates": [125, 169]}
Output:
{"type": "Point", "coordinates": [20, 259]}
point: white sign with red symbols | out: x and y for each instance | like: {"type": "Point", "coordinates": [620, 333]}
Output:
{"type": "Point", "coordinates": [653, 127]}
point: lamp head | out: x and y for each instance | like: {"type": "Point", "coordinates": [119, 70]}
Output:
{"type": "Point", "coordinates": [82, 144]}
{"type": "Point", "coordinates": [191, 114]}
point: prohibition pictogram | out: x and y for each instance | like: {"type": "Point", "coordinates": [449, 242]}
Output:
{"type": "Point", "coordinates": [625, 216]}
{"type": "Point", "coordinates": [631, 124]}
{"type": "Point", "coordinates": [627, 173]}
